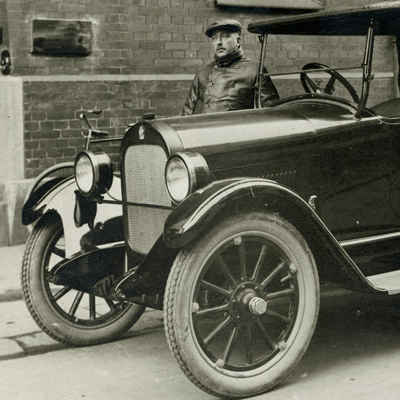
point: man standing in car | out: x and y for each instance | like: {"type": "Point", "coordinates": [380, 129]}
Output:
{"type": "Point", "coordinates": [228, 83]}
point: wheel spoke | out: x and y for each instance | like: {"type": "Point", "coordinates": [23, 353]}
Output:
{"type": "Point", "coordinates": [213, 310]}
{"type": "Point", "coordinates": [226, 271]}
{"type": "Point", "coordinates": [58, 252]}
{"type": "Point", "coordinates": [110, 303]}
{"type": "Point", "coordinates": [61, 293]}
{"type": "Point", "coordinates": [248, 345]}
{"type": "Point", "coordinates": [272, 275]}
{"type": "Point", "coordinates": [267, 339]}
{"type": "Point", "coordinates": [231, 343]}
{"type": "Point", "coordinates": [216, 289]}
{"type": "Point", "coordinates": [76, 303]}
{"type": "Point", "coordinates": [280, 294]}
{"type": "Point", "coordinates": [260, 262]}
{"type": "Point", "coordinates": [218, 329]}
{"type": "Point", "coordinates": [242, 257]}
{"type": "Point", "coordinates": [277, 316]}
{"type": "Point", "coordinates": [92, 306]}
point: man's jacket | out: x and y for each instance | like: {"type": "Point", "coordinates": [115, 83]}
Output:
{"type": "Point", "coordinates": [229, 85]}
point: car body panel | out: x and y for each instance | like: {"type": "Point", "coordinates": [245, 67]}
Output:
{"type": "Point", "coordinates": [336, 155]}
{"type": "Point", "coordinates": [207, 206]}
{"type": "Point", "coordinates": [314, 139]}
{"type": "Point", "coordinates": [61, 199]}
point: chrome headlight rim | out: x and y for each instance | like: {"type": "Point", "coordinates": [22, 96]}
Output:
{"type": "Point", "coordinates": [101, 172]}
{"type": "Point", "coordinates": [197, 174]}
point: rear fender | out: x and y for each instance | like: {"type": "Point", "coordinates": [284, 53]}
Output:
{"type": "Point", "coordinates": [204, 208]}
{"type": "Point", "coordinates": [60, 198]}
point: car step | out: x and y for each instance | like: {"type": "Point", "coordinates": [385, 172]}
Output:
{"type": "Point", "coordinates": [389, 281]}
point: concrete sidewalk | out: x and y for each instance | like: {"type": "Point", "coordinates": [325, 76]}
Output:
{"type": "Point", "coordinates": [10, 272]}
{"type": "Point", "coordinates": [19, 334]}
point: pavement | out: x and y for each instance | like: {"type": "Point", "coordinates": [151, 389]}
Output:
{"type": "Point", "coordinates": [13, 312]}
{"type": "Point", "coordinates": [10, 272]}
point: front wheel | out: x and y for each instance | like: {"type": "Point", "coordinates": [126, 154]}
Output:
{"type": "Point", "coordinates": [241, 305]}
{"type": "Point", "coordinates": [67, 315]}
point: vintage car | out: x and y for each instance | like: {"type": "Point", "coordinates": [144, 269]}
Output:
{"type": "Point", "coordinates": [230, 222]}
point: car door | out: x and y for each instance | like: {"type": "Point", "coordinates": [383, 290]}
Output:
{"type": "Point", "coordinates": [392, 125]}
{"type": "Point", "coordinates": [356, 170]}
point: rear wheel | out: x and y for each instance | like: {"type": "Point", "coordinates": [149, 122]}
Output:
{"type": "Point", "coordinates": [241, 305]}
{"type": "Point", "coordinates": [65, 314]}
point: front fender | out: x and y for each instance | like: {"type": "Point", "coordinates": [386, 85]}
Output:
{"type": "Point", "coordinates": [206, 206]}
{"type": "Point", "coordinates": [43, 184]}
{"type": "Point", "coordinates": [60, 198]}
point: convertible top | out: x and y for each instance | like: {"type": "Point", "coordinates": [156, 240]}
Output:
{"type": "Point", "coordinates": [340, 22]}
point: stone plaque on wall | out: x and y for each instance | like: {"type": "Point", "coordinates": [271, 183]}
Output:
{"type": "Point", "coordinates": [61, 37]}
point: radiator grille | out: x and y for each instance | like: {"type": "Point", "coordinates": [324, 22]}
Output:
{"type": "Point", "coordinates": [144, 173]}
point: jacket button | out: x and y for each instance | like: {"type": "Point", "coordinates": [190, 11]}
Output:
{"type": "Point", "coordinates": [210, 83]}
{"type": "Point", "coordinates": [205, 105]}
{"type": "Point", "coordinates": [216, 66]}
{"type": "Point", "coordinates": [236, 66]}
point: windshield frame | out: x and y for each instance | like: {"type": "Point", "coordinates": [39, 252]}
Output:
{"type": "Point", "coordinates": [366, 67]}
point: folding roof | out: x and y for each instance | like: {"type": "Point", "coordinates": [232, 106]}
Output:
{"type": "Point", "coordinates": [292, 4]}
{"type": "Point", "coordinates": [336, 22]}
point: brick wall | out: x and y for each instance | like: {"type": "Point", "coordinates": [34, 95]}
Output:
{"type": "Point", "coordinates": [53, 131]}
{"type": "Point", "coordinates": [133, 41]}
{"type": "Point", "coordinates": [150, 36]}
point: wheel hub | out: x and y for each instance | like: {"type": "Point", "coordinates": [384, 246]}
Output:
{"type": "Point", "coordinates": [247, 302]}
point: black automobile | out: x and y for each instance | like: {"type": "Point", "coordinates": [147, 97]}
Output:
{"type": "Point", "coordinates": [231, 222]}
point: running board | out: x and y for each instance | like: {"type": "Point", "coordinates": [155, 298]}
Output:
{"type": "Point", "coordinates": [389, 281]}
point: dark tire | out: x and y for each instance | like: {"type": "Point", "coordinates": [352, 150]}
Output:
{"type": "Point", "coordinates": [241, 305]}
{"type": "Point", "coordinates": [69, 316]}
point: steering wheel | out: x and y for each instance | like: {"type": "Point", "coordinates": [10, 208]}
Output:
{"type": "Point", "coordinates": [310, 86]}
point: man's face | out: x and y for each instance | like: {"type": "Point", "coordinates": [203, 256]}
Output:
{"type": "Point", "coordinates": [225, 42]}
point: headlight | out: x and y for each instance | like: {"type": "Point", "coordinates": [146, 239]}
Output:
{"type": "Point", "coordinates": [185, 173]}
{"type": "Point", "coordinates": [93, 172]}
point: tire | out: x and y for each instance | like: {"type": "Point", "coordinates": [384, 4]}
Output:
{"type": "Point", "coordinates": [241, 305]}
{"type": "Point", "coordinates": [67, 315]}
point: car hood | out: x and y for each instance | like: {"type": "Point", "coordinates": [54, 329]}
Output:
{"type": "Point", "coordinates": [237, 130]}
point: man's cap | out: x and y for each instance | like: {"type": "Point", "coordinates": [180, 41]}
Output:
{"type": "Point", "coordinates": [224, 24]}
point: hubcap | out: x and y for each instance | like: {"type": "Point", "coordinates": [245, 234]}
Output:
{"type": "Point", "coordinates": [257, 306]}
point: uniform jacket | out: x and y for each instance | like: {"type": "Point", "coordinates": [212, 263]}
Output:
{"type": "Point", "coordinates": [227, 85]}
